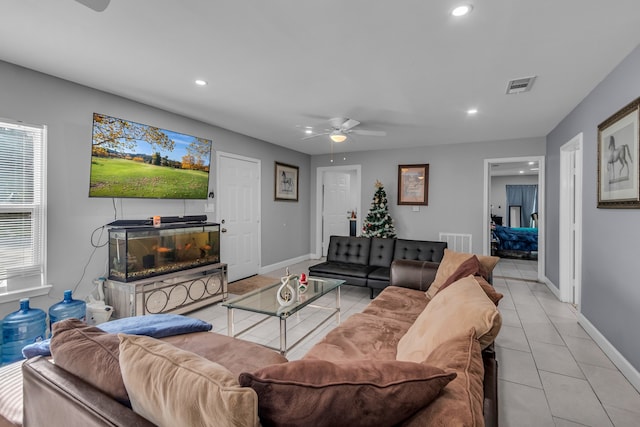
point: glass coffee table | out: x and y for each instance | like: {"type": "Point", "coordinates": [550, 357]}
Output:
{"type": "Point", "coordinates": [264, 301]}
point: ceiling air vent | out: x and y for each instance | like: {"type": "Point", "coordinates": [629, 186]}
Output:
{"type": "Point", "coordinates": [520, 85]}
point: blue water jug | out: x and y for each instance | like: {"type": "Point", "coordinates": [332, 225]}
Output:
{"type": "Point", "coordinates": [21, 328]}
{"type": "Point", "coordinates": [67, 308]}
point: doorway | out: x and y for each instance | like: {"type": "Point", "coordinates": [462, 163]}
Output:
{"type": "Point", "coordinates": [338, 190]}
{"type": "Point", "coordinates": [513, 165]}
{"type": "Point", "coordinates": [238, 212]}
{"type": "Point", "coordinates": [570, 270]}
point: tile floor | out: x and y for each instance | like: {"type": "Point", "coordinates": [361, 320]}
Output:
{"type": "Point", "coordinates": [551, 373]}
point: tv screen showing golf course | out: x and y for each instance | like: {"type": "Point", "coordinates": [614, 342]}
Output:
{"type": "Point", "coordinates": [132, 160]}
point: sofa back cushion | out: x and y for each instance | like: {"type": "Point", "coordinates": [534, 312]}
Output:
{"type": "Point", "coordinates": [458, 308]}
{"type": "Point", "coordinates": [91, 354]}
{"type": "Point", "coordinates": [461, 402]}
{"type": "Point", "coordinates": [353, 250]}
{"type": "Point", "coordinates": [381, 253]}
{"type": "Point", "coordinates": [419, 250]}
{"type": "Point", "coordinates": [173, 387]}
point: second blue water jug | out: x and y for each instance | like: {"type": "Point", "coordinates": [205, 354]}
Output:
{"type": "Point", "coordinates": [67, 308]}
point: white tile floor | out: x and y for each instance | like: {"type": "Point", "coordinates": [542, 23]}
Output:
{"type": "Point", "coordinates": [551, 373]}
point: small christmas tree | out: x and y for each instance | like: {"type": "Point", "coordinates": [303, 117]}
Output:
{"type": "Point", "coordinates": [378, 222]}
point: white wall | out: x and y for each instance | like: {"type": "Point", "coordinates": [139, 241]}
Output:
{"type": "Point", "coordinates": [610, 291]}
{"type": "Point", "coordinates": [67, 108]}
{"type": "Point", "coordinates": [455, 184]}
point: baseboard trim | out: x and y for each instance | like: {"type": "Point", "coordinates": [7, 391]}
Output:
{"type": "Point", "coordinates": [551, 287]}
{"type": "Point", "coordinates": [283, 264]}
{"type": "Point", "coordinates": [616, 357]}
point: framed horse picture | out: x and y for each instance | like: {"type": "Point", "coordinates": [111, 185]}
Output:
{"type": "Point", "coordinates": [618, 159]}
{"type": "Point", "coordinates": [286, 182]}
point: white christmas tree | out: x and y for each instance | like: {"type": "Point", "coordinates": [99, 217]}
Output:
{"type": "Point", "coordinates": [378, 222]}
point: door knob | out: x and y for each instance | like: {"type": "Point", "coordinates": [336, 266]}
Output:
{"type": "Point", "coordinates": [224, 230]}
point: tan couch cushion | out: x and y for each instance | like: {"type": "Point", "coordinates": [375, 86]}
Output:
{"type": "Point", "coordinates": [361, 336]}
{"type": "Point", "coordinates": [461, 306]}
{"type": "Point", "coordinates": [398, 303]}
{"type": "Point", "coordinates": [174, 387]}
{"type": "Point", "coordinates": [89, 353]}
{"type": "Point", "coordinates": [355, 393]}
{"type": "Point", "coordinates": [461, 402]}
{"type": "Point", "coordinates": [451, 261]}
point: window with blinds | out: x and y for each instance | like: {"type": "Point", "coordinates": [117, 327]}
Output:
{"type": "Point", "coordinates": [22, 206]}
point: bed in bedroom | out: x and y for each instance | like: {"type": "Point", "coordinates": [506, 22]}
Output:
{"type": "Point", "coordinates": [515, 242]}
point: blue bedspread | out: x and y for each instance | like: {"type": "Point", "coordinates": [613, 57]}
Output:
{"type": "Point", "coordinates": [516, 239]}
{"type": "Point", "coordinates": [153, 325]}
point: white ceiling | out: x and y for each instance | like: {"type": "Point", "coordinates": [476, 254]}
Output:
{"type": "Point", "coordinates": [405, 67]}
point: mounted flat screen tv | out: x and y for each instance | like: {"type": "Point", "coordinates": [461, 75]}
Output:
{"type": "Point", "coordinates": [132, 160]}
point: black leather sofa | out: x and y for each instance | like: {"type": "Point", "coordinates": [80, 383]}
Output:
{"type": "Point", "coordinates": [364, 261]}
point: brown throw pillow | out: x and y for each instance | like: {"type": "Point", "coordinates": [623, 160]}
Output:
{"type": "Point", "coordinates": [470, 267]}
{"type": "Point", "coordinates": [461, 402]}
{"type": "Point", "coordinates": [450, 263]}
{"type": "Point", "coordinates": [89, 353]}
{"type": "Point", "coordinates": [461, 306]}
{"type": "Point", "coordinates": [488, 289]}
{"type": "Point", "coordinates": [354, 393]}
{"type": "Point", "coordinates": [173, 387]}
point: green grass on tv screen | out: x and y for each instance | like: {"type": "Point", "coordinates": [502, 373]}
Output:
{"type": "Point", "coordinates": [113, 177]}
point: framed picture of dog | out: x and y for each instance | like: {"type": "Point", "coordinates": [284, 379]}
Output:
{"type": "Point", "coordinates": [618, 159]}
{"type": "Point", "coordinates": [286, 182]}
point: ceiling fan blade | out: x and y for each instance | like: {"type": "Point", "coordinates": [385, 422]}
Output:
{"type": "Point", "coordinates": [349, 124]}
{"type": "Point", "coordinates": [365, 132]}
{"type": "Point", "coordinates": [97, 5]}
{"type": "Point", "coordinates": [336, 122]}
{"type": "Point", "coordinates": [314, 135]}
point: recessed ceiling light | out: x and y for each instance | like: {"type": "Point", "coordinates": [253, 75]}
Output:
{"type": "Point", "coordinates": [201, 82]}
{"type": "Point", "coordinates": [532, 163]}
{"type": "Point", "coordinates": [462, 10]}
{"type": "Point", "coordinates": [308, 131]}
{"type": "Point", "coordinates": [472, 111]}
{"type": "Point", "coordinates": [521, 171]}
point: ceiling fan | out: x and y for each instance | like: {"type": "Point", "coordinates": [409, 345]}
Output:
{"type": "Point", "coordinates": [341, 128]}
{"type": "Point", "coordinates": [97, 5]}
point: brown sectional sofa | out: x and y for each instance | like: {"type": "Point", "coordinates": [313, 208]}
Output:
{"type": "Point", "coordinates": [366, 342]}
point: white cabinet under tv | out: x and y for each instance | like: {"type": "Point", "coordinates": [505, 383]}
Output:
{"type": "Point", "coordinates": [177, 293]}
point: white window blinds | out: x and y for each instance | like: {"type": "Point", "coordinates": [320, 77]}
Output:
{"type": "Point", "coordinates": [22, 205]}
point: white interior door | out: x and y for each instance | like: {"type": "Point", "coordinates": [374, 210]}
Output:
{"type": "Point", "coordinates": [335, 203]}
{"type": "Point", "coordinates": [571, 220]}
{"type": "Point", "coordinates": [239, 214]}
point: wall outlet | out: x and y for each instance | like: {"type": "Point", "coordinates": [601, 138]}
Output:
{"type": "Point", "coordinates": [416, 209]}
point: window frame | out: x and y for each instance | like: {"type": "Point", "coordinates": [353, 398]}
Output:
{"type": "Point", "coordinates": [37, 209]}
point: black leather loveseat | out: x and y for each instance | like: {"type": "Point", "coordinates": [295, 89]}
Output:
{"type": "Point", "coordinates": [364, 261]}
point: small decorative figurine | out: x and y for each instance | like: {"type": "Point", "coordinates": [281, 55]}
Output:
{"type": "Point", "coordinates": [303, 283]}
{"type": "Point", "coordinates": [287, 293]}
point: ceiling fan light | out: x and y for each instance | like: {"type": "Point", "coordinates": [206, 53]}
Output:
{"type": "Point", "coordinates": [338, 137]}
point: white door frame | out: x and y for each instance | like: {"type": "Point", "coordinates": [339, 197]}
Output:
{"type": "Point", "coordinates": [486, 216]}
{"type": "Point", "coordinates": [570, 230]}
{"type": "Point", "coordinates": [220, 154]}
{"type": "Point", "coordinates": [319, 183]}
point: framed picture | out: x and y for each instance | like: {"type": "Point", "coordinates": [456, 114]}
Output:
{"type": "Point", "coordinates": [618, 162]}
{"type": "Point", "coordinates": [413, 184]}
{"type": "Point", "coordinates": [286, 182]}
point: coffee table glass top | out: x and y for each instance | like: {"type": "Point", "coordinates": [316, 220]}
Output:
{"type": "Point", "coordinates": [264, 300]}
